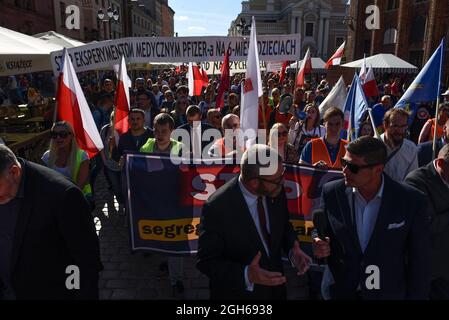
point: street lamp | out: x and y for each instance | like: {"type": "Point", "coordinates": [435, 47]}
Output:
{"type": "Point", "coordinates": [243, 27]}
{"type": "Point", "coordinates": [112, 16]}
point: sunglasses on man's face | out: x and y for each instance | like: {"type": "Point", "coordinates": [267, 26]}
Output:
{"type": "Point", "coordinates": [61, 134]}
{"type": "Point", "coordinates": [355, 169]}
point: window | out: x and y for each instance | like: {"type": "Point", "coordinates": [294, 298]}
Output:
{"type": "Point", "coordinates": [392, 5]}
{"type": "Point", "coordinates": [62, 13]}
{"type": "Point", "coordinates": [390, 36]}
{"type": "Point", "coordinates": [418, 29]}
{"type": "Point", "coordinates": [339, 41]}
{"type": "Point", "coordinates": [309, 29]}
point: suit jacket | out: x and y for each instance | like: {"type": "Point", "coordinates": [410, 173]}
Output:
{"type": "Point", "coordinates": [425, 152]}
{"type": "Point", "coordinates": [399, 245]}
{"type": "Point", "coordinates": [204, 128]}
{"type": "Point", "coordinates": [229, 241]}
{"type": "Point", "coordinates": [54, 230]}
{"type": "Point", "coordinates": [429, 181]}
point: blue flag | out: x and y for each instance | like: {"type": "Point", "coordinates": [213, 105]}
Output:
{"type": "Point", "coordinates": [356, 108]}
{"type": "Point", "coordinates": [426, 86]}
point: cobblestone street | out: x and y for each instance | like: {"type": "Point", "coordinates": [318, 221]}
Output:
{"type": "Point", "coordinates": [129, 276]}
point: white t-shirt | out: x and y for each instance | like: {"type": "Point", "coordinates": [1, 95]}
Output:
{"type": "Point", "coordinates": [64, 171]}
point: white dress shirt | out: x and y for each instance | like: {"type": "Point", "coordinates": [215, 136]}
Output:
{"type": "Point", "coordinates": [403, 162]}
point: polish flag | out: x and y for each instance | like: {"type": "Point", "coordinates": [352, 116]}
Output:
{"type": "Point", "coordinates": [225, 82]}
{"type": "Point", "coordinates": [198, 79]}
{"type": "Point", "coordinates": [252, 91]}
{"type": "Point", "coordinates": [122, 104]}
{"type": "Point", "coordinates": [306, 67]}
{"type": "Point", "coordinates": [283, 72]}
{"type": "Point", "coordinates": [370, 84]}
{"type": "Point", "coordinates": [73, 108]}
{"type": "Point", "coordinates": [363, 71]}
{"type": "Point", "coordinates": [335, 60]}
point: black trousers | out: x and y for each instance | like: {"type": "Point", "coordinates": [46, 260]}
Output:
{"type": "Point", "coordinates": [439, 289]}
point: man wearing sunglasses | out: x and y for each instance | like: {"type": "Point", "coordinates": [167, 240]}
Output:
{"type": "Point", "coordinates": [377, 231]}
{"type": "Point", "coordinates": [244, 229]}
{"type": "Point", "coordinates": [433, 180]}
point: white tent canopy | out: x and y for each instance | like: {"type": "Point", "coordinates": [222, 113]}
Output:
{"type": "Point", "coordinates": [317, 64]}
{"type": "Point", "coordinates": [59, 39]}
{"type": "Point", "coordinates": [21, 54]}
{"type": "Point", "coordinates": [384, 62]}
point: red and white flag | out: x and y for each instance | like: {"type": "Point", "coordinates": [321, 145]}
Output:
{"type": "Point", "coordinates": [306, 67]}
{"type": "Point", "coordinates": [198, 79]}
{"type": "Point", "coordinates": [335, 60]}
{"type": "Point", "coordinates": [370, 84]}
{"type": "Point", "coordinates": [363, 71]}
{"type": "Point", "coordinates": [122, 104]}
{"type": "Point", "coordinates": [252, 91]}
{"type": "Point", "coordinates": [73, 108]}
{"type": "Point", "coordinates": [225, 81]}
{"type": "Point", "coordinates": [283, 72]}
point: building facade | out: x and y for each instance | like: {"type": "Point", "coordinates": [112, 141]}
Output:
{"type": "Point", "coordinates": [168, 22]}
{"type": "Point", "coordinates": [27, 16]}
{"type": "Point", "coordinates": [319, 22]}
{"type": "Point", "coordinates": [60, 17]}
{"type": "Point", "coordinates": [409, 29]}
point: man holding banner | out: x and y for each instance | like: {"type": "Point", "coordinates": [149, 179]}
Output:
{"type": "Point", "coordinates": [244, 229]}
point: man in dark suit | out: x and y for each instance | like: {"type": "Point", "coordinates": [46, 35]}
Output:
{"type": "Point", "coordinates": [433, 180]}
{"type": "Point", "coordinates": [378, 231]}
{"type": "Point", "coordinates": [48, 244]}
{"type": "Point", "coordinates": [193, 115]}
{"type": "Point", "coordinates": [244, 229]}
{"type": "Point", "coordinates": [425, 150]}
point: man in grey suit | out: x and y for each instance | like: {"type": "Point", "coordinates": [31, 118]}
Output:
{"type": "Point", "coordinates": [433, 180]}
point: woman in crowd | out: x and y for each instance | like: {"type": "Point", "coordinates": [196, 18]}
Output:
{"type": "Point", "coordinates": [303, 131]}
{"type": "Point", "coordinates": [67, 158]}
{"type": "Point", "coordinates": [428, 131]}
{"type": "Point", "coordinates": [366, 129]}
{"type": "Point", "coordinates": [285, 150]}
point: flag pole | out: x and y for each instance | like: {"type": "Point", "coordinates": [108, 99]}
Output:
{"type": "Point", "coordinates": [437, 109]}
{"type": "Point", "coordinates": [376, 134]}
{"type": "Point", "coordinates": [264, 118]}
{"type": "Point", "coordinates": [435, 132]}
{"type": "Point", "coordinates": [296, 75]}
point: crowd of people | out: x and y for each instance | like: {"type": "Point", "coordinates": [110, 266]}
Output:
{"type": "Point", "coordinates": [376, 169]}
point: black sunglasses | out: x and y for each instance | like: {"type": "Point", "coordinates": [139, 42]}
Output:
{"type": "Point", "coordinates": [355, 169]}
{"type": "Point", "coordinates": [61, 134]}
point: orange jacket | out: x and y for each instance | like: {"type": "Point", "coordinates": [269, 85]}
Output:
{"type": "Point", "coordinates": [320, 153]}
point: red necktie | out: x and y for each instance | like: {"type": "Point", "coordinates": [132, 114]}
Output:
{"type": "Point", "coordinates": [263, 221]}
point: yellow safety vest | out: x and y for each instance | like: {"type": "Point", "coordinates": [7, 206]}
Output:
{"type": "Point", "coordinates": [151, 143]}
{"type": "Point", "coordinates": [87, 190]}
